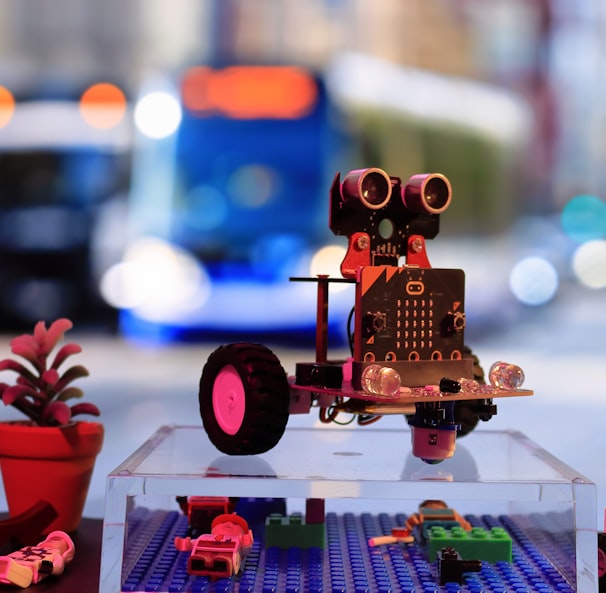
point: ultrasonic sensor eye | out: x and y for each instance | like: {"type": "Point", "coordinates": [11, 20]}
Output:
{"type": "Point", "coordinates": [374, 189]}
{"type": "Point", "coordinates": [430, 194]}
{"type": "Point", "coordinates": [369, 187]}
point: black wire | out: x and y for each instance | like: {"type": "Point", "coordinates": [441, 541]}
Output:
{"type": "Point", "coordinates": [366, 419]}
{"type": "Point", "coordinates": [343, 422]}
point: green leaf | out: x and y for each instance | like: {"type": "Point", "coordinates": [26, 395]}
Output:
{"type": "Point", "coordinates": [73, 373]}
{"type": "Point", "coordinates": [70, 393]}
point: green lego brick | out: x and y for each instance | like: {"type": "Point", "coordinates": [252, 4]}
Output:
{"type": "Point", "coordinates": [292, 532]}
{"type": "Point", "coordinates": [477, 544]}
{"type": "Point", "coordinates": [427, 526]}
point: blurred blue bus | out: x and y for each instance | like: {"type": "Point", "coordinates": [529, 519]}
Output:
{"type": "Point", "coordinates": [237, 187]}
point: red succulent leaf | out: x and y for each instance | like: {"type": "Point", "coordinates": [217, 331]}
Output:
{"type": "Point", "coordinates": [85, 408]}
{"type": "Point", "coordinates": [26, 347]}
{"type": "Point", "coordinates": [40, 333]}
{"type": "Point", "coordinates": [13, 393]}
{"type": "Point", "coordinates": [21, 380]}
{"type": "Point", "coordinates": [55, 333]}
{"type": "Point", "coordinates": [41, 393]}
{"type": "Point", "coordinates": [59, 411]}
{"type": "Point", "coordinates": [64, 352]}
{"type": "Point", "coordinates": [50, 377]}
{"type": "Point", "coordinates": [8, 364]}
{"type": "Point", "coordinates": [3, 388]}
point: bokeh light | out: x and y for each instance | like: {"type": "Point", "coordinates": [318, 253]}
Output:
{"type": "Point", "coordinates": [584, 218]}
{"type": "Point", "coordinates": [253, 186]}
{"type": "Point", "coordinates": [7, 106]}
{"type": "Point", "coordinates": [589, 264]}
{"type": "Point", "coordinates": [103, 105]}
{"type": "Point", "coordinates": [534, 281]}
{"type": "Point", "coordinates": [250, 92]}
{"type": "Point", "coordinates": [277, 256]}
{"type": "Point", "coordinates": [116, 286]}
{"type": "Point", "coordinates": [209, 208]}
{"type": "Point", "coordinates": [327, 260]}
{"type": "Point", "coordinates": [157, 279]}
{"type": "Point", "coordinates": [158, 115]}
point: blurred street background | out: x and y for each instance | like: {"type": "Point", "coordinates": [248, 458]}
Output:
{"type": "Point", "coordinates": [165, 168]}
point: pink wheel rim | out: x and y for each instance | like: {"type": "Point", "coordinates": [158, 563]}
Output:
{"type": "Point", "coordinates": [229, 400]}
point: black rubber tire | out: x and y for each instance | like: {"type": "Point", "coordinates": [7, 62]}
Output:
{"type": "Point", "coordinates": [465, 417]}
{"type": "Point", "coordinates": [266, 393]}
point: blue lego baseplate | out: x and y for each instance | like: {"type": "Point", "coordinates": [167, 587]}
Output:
{"type": "Point", "coordinates": [543, 561]}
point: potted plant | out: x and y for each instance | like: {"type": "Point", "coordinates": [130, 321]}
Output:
{"type": "Point", "coordinates": [49, 456]}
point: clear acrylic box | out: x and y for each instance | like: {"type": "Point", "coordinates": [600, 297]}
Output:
{"type": "Point", "coordinates": [495, 472]}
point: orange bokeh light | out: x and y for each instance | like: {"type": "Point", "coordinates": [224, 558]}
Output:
{"type": "Point", "coordinates": [7, 106]}
{"type": "Point", "coordinates": [194, 89]}
{"type": "Point", "coordinates": [103, 105]}
{"type": "Point", "coordinates": [250, 92]}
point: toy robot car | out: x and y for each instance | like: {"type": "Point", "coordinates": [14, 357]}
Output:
{"type": "Point", "coordinates": [408, 350]}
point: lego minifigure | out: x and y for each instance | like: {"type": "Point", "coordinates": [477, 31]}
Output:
{"type": "Point", "coordinates": [31, 564]}
{"type": "Point", "coordinates": [219, 553]}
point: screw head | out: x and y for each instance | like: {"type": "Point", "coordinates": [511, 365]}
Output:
{"type": "Point", "coordinates": [417, 245]}
{"type": "Point", "coordinates": [362, 243]}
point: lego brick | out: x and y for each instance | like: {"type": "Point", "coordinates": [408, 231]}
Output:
{"type": "Point", "coordinates": [315, 510]}
{"type": "Point", "coordinates": [256, 510]}
{"type": "Point", "coordinates": [492, 545]}
{"type": "Point", "coordinates": [293, 532]}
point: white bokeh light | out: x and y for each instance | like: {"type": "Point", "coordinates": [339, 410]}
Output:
{"type": "Point", "coordinates": [534, 281]}
{"type": "Point", "coordinates": [589, 264]}
{"type": "Point", "coordinates": [158, 115]}
{"type": "Point", "coordinates": [157, 279]}
{"type": "Point", "coordinates": [116, 288]}
{"type": "Point", "coordinates": [327, 260]}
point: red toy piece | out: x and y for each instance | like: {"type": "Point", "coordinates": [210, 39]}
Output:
{"type": "Point", "coordinates": [29, 525]}
{"type": "Point", "coordinates": [31, 564]}
{"type": "Point", "coordinates": [220, 553]}
{"type": "Point", "coordinates": [399, 535]}
{"type": "Point", "coordinates": [202, 510]}
{"type": "Point", "coordinates": [409, 356]}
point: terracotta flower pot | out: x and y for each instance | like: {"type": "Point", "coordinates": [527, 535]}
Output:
{"type": "Point", "coordinates": [54, 464]}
